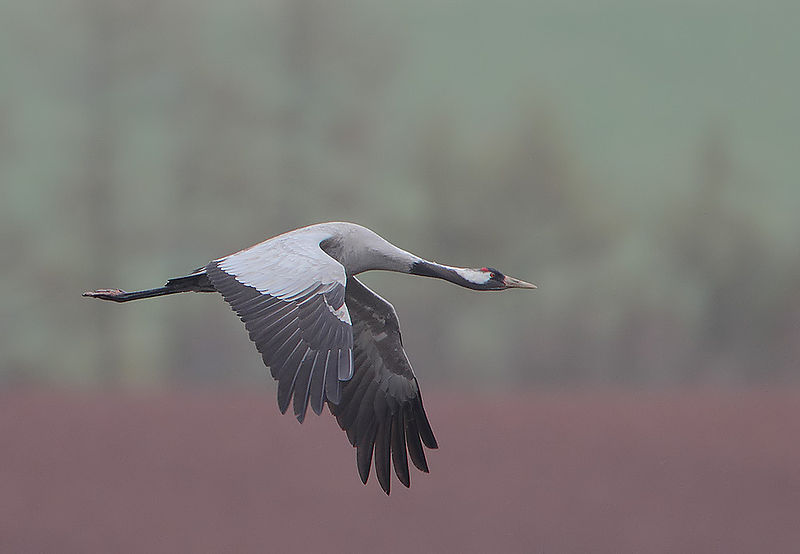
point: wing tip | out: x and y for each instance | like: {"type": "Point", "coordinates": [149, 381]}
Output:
{"type": "Point", "coordinates": [363, 472]}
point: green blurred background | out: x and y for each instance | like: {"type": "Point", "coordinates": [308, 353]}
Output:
{"type": "Point", "coordinates": [637, 160]}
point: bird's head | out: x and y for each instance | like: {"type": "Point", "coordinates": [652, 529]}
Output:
{"type": "Point", "coordinates": [489, 278]}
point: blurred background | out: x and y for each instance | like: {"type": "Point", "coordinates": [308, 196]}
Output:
{"type": "Point", "coordinates": [637, 160]}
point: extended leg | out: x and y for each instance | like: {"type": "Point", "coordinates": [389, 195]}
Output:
{"type": "Point", "coordinates": [197, 282]}
{"type": "Point", "coordinates": [116, 295]}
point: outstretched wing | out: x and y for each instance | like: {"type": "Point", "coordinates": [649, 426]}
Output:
{"type": "Point", "coordinates": [290, 295]}
{"type": "Point", "coordinates": [381, 407]}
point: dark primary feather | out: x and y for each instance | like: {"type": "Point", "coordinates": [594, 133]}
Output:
{"type": "Point", "coordinates": [381, 407]}
{"type": "Point", "coordinates": [304, 344]}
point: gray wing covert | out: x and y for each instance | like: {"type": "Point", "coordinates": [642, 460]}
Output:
{"type": "Point", "coordinates": [381, 406]}
{"type": "Point", "coordinates": [291, 300]}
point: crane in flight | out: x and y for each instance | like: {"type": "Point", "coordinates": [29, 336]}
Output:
{"type": "Point", "coordinates": [326, 337]}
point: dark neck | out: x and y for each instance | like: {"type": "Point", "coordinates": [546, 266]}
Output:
{"type": "Point", "coordinates": [437, 271]}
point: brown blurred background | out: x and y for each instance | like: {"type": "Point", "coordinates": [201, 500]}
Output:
{"type": "Point", "coordinates": [637, 160]}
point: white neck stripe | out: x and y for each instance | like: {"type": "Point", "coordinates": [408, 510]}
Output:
{"type": "Point", "coordinates": [474, 275]}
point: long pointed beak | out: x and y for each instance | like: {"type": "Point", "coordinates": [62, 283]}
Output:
{"type": "Point", "coordinates": [518, 284]}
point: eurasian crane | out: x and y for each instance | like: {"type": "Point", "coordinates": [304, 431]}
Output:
{"type": "Point", "coordinates": [327, 337]}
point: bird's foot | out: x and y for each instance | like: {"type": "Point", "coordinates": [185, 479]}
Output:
{"type": "Point", "coordinates": [106, 294]}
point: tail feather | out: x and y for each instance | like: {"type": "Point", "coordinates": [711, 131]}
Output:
{"type": "Point", "coordinates": [196, 282]}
